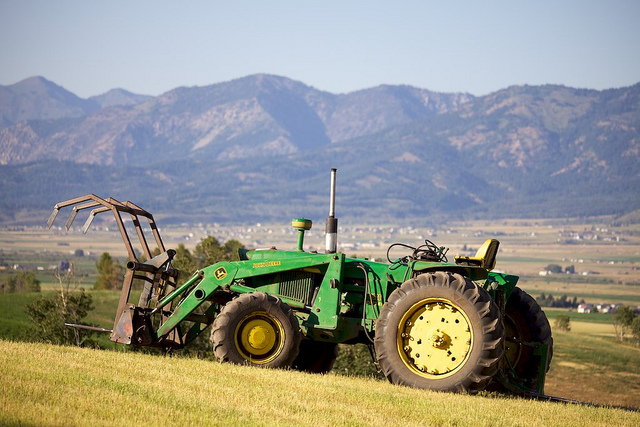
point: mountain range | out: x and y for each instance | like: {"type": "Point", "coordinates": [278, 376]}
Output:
{"type": "Point", "coordinates": [259, 148]}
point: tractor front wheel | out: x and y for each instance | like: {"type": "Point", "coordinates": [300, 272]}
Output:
{"type": "Point", "coordinates": [256, 329]}
{"type": "Point", "coordinates": [440, 331]}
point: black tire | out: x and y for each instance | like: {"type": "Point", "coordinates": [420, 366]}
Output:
{"type": "Point", "coordinates": [256, 329]}
{"type": "Point", "coordinates": [317, 357]}
{"type": "Point", "coordinates": [525, 322]}
{"type": "Point", "coordinates": [450, 320]}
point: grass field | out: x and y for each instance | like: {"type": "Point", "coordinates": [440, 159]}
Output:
{"type": "Point", "coordinates": [15, 324]}
{"type": "Point", "coordinates": [48, 385]}
{"type": "Point", "coordinates": [588, 365]}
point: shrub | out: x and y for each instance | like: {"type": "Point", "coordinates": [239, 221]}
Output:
{"type": "Point", "coordinates": [563, 322]}
{"type": "Point", "coordinates": [554, 268]}
{"type": "Point", "coordinates": [50, 315]}
{"type": "Point", "coordinates": [622, 321]}
{"type": "Point", "coordinates": [635, 329]}
{"type": "Point", "coordinates": [23, 281]}
{"type": "Point", "coordinates": [69, 304]}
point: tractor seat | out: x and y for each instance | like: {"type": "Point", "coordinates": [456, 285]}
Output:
{"type": "Point", "coordinates": [485, 257]}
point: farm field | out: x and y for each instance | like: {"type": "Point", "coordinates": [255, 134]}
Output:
{"type": "Point", "coordinates": [588, 365]}
{"type": "Point", "coordinates": [605, 257]}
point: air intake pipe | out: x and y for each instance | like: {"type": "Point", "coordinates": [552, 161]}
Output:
{"type": "Point", "coordinates": [331, 233]}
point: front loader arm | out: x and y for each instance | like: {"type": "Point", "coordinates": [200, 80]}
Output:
{"type": "Point", "coordinates": [213, 278]}
{"type": "Point", "coordinates": [224, 279]}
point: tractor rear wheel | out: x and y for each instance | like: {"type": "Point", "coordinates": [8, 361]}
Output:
{"type": "Point", "coordinates": [440, 331]}
{"type": "Point", "coordinates": [525, 323]}
{"type": "Point", "coordinates": [256, 329]}
{"type": "Point", "coordinates": [317, 357]}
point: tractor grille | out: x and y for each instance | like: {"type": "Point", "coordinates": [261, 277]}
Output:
{"type": "Point", "coordinates": [296, 285]}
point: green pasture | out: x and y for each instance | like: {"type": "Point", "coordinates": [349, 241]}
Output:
{"type": "Point", "coordinates": [586, 318]}
{"type": "Point", "coordinates": [15, 324]}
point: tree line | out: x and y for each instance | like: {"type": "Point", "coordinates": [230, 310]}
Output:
{"type": "Point", "coordinates": [544, 300]}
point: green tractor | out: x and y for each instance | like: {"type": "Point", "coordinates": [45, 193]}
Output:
{"type": "Point", "coordinates": [430, 323]}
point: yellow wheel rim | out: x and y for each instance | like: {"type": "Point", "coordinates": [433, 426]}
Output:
{"type": "Point", "coordinates": [434, 338]}
{"type": "Point", "coordinates": [259, 338]}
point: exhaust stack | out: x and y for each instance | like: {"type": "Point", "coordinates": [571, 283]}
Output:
{"type": "Point", "coordinates": [331, 233]}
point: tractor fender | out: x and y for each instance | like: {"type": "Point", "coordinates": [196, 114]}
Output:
{"type": "Point", "coordinates": [473, 273]}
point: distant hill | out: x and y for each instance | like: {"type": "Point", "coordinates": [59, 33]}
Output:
{"type": "Point", "coordinates": [119, 97]}
{"type": "Point", "coordinates": [256, 116]}
{"type": "Point", "coordinates": [260, 148]}
{"type": "Point", "coordinates": [38, 98]}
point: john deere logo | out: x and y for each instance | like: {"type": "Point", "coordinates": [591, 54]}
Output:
{"type": "Point", "coordinates": [220, 273]}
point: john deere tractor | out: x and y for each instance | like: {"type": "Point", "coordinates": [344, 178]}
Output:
{"type": "Point", "coordinates": [431, 323]}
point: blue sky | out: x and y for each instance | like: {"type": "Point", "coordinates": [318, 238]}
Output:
{"type": "Point", "coordinates": [479, 47]}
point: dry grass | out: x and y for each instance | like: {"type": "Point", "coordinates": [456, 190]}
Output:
{"type": "Point", "coordinates": [590, 366]}
{"type": "Point", "coordinates": [48, 385]}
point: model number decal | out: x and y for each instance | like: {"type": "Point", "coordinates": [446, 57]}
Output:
{"type": "Point", "coordinates": [266, 264]}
